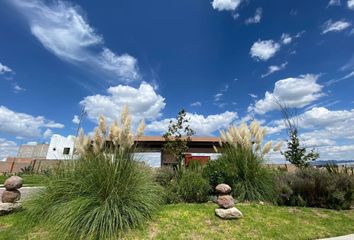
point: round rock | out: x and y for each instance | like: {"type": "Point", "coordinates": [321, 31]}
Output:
{"type": "Point", "coordinates": [226, 201]}
{"type": "Point", "coordinates": [13, 182]}
{"type": "Point", "coordinates": [231, 213]}
{"type": "Point", "coordinates": [10, 196]}
{"type": "Point", "coordinates": [223, 188]}
{"type": "Point", "coordinates": [6, 208]}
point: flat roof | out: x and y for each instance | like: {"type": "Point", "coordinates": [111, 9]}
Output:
{"type": "Point", "coordinates": [161, 139]}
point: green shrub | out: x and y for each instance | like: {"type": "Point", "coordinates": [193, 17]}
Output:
{"type": "Point", "coordinates": [164, 175]}
{"type": "Point", "coordinates": [98, 196]}
{"type": "Point", "coordinates": [192, 187]}
{"type": "Point", "coordinates": [244, 171]}
{"type": "Point", "coordinates": [316, 188]}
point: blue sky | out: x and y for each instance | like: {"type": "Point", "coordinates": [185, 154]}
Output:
{"type": "Point", "coordinates": [224, 61]}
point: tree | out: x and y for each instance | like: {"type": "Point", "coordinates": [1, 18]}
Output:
{"type": "Point", "coordinates": [177, 137]}
{"type": "Point", "coordinates": [295, 153]}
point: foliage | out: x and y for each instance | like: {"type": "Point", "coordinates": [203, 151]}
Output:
{"type": "Point", "coordinates": [177, 138]}
{"type": "Point", "coordinates": [241, 163]}
{"type": "Point", "coordinates": [27, 170]}
{"type": "Point", "coordinates": [192, 187]}
{"type": "Point", "coordinates": [102, 194]}
{"type": "Point", "coordinates": [195, 221]}
{"type": "Point", "coordinates": [296, 154]}
{"type": "Point", "coordinates": [244, 172]}
{"type": "Point", "coordinates": [335, 169]}
{"type": "Point", "coordinates": [313, 187]}
{"type": "Point", "coordinates": [164, 175]}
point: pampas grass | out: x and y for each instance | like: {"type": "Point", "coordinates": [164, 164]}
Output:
{"type": "Point", "coordinates": [103, 193]}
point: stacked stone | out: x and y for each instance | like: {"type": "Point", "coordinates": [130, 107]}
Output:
{"type": "Point", "coordinates": [11, 195]}
{"type": "Point", "coordinates": [226, 203]}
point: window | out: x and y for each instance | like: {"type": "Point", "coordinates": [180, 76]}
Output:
{"type": "Point", "coordinates": [66, 151]}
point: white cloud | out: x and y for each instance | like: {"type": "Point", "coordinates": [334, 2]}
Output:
{"type": "Point", "coordinates": [217, 97]}
{"type": "Point", "coordinates": [350, 4]}
{"type": "Point", "coordinates": [18, 89]}
{"type": "Point", "coordinates": [274, 68]}
{"type": "Point", "coordinates": [256, 18]}
{"type": "Point", "coordinates": [337, 152]}
{"type": "Point", "coordinates": [123, 65]}
{"type": "Point", "coordinates": [228, 5]}
{"type": "Point", "coordinates": [143, 103]}
{"type": "Point", "coordinates": [202, 125]}
{"type": "Point", "coordinates": [334, 3]}
{"type": "Point", "coordinates": [76, 119]}
{"type": "Point", "coordinates": [24, 125]}
{"type": "Point", "coordinates": [48, 133]}
{"type": "Point", "coordinates": [286, 38]}
{"type": "Point", "coordinates": [294, 92]}
{"type": "Point", "coordinates": [252, 95]}
{"type": "Point", "coordinates": [65, 32]}
{"type": "Point", "coordinates": [7, 148]}
{"type": "Point", "coordinates": [263, 50]}
{"type": "Point", "coordinates": [4, 69]}
{"type": "Point", "coordinates": [196, 104]}
{"type": "Point", "coordinates": [330, 26]}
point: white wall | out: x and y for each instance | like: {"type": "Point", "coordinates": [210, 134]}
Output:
{"type": "Point", "coordinates": [57, 145]}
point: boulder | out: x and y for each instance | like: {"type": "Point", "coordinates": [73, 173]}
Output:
{"type": "Point", "coordinates": [10, 196]}
{"type": "Point", "coordinates": [6, 208]}
{"type": "Point", "coordinates": [226, 201]}
{"type": "Point", "coordinates": [13, 182]}
{"type": "Point", "coordinates": [231, 213]}
{"type": "Point", "coordinates": [223, 188]}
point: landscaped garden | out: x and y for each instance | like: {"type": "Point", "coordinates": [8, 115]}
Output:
{"type": "Point", "coordinates": [106, 194]}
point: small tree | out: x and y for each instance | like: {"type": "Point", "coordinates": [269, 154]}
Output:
{"type": "Point", "coordinates": [177, 138]}
{"type": "Point", "coordinates": [295, 153]}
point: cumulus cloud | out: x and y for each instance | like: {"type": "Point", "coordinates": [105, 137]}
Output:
{"type": "Point", "coordinates": [24, 125]}
{"type": "Point", "coordinates": [263, 50]}
{"type": "Point", "coordinates": [4, 69]}
{"type": "Point", "coordinates": [338, 26]}
{"type": "Point", "coordinates": [62, 30]}
{"type": "Point", "coordinates": [294, 92]}
{"type": "Point", "coordinates": [274, 68]}
{"type": "Point", "coordinates": [143, 103]}
{"type": "Point", "coordinates": [228, 5]}
{"type": "Point", "coordinates": [350, 4]}
{"type": "Point", "coordinates": [7, 148]}
{"type": "Point", "coordinates": [256, 18]}
{"type": "Point", "coordinates": [331, 132]}
{"type": "Point", "coordinates": [202, 125]}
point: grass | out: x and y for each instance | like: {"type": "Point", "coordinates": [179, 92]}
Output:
{"type": "Point", "coordinates": [28, 179]}
{"type": "Point", "coordinates": [197, 221]}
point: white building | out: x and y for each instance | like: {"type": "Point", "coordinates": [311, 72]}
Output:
{"type": "Point", "coordinates": [61, 147]}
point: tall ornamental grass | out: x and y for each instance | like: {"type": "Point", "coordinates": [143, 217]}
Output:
{"type": "Point", "coordinates": [102, 194]}
{"type": "Point", "coordinates": [241, 163]}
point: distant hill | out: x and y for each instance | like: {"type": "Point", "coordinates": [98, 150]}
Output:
{"type": "Point", "coordinates": [338, 162]}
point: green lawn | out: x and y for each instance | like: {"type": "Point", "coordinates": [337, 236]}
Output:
{"type": "Point", "coordinates": [197, 221]}
{"type": "Point", "coordinates": [28, 180]}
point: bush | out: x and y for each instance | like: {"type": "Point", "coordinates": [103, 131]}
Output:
{"type": "Point", "coordinates": [98, 196]}
{"type": "Point", "coordinates": [164, 175]}
{"type": "Point", "coordinates": [243, 170]}
{"type": "Point", "coordinates": [316, 188]}
{"type": "Point", "coordinates": [192, 187]}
